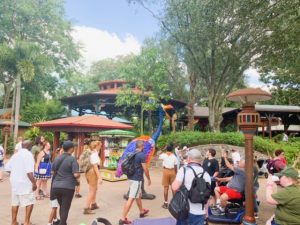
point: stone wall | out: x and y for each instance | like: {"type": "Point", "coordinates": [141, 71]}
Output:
{"type": "Point", "coordinates": [218, 147]}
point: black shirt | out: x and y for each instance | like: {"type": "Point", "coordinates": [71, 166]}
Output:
{"type": "Point", "coordinates": [211, 166]}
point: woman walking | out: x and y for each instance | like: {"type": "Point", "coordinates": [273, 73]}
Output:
{"type": "Point", "coordinates": [43, 171]}
{"type": "Point", "coordinates": [93, 177]}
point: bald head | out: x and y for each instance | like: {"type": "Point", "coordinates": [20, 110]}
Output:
{"type": "Point", "coordinates": [241, 164]}
{"type": "Point", "coordinates": [194, 155]}
{"type": "Point", "coordinates": [27, 144]}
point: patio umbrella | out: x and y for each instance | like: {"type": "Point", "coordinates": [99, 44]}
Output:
{"type": "Point", "coordinates": [116, 133]}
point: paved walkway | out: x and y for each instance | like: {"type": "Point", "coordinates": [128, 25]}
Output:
{"type": "Point", "coordinates": [111, 203]}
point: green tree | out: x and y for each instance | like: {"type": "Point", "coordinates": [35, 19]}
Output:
{"type": "Point", "coordinates": [42, 111]}
{"type": "Point", "coordinates": [147, 72]}
{"type": "Point", "coordinates": [39, 23]}
{"type": "Point", "coordinates": [218, 41]}
{"type": "Point", "coordinates": [38, 40]}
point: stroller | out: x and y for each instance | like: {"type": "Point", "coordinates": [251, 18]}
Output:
{"type": "Point", "coordinates": [262, 167]}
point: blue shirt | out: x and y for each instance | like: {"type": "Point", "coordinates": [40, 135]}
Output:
{"type": "Point", "coordinates": [139, 172]}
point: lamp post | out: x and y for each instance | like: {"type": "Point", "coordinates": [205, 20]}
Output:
{"type": "Point", "coordinates": [248, 120]}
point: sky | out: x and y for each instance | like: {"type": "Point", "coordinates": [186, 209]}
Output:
{"type": "Point", "coordinates": [109, 28]}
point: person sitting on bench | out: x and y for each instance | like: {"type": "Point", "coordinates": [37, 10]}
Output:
{"type": "Point", "coordinates": [235, 186]}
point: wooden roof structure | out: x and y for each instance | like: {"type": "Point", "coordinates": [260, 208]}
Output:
{"type": "Point", "coordinates": [105, 99]}
{"type": "Point", "coordinates": [85, 124]}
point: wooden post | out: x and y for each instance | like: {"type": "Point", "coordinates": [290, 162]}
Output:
{"type": "Point", "coordinates": [5, 132]}
{"type": "Point", "coordinates": [56, 140]}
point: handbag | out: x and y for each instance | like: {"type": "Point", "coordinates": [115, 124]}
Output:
{"type": "Point", "coordinates": [43, 168]}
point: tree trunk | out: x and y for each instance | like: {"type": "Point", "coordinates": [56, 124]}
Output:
{"type": "Point", "coordinates": [7, 92]}
{"type": "Point", "coordinates": [192, 99]}
{"type": "Point", "coordinates": [18, 100]}
{"type": "Point", "coordinates": [12, 112]}
{"type": "Point", "coordinates": [215, 113]}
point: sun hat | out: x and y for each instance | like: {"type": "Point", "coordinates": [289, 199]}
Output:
{"type": "Point", "coordinates": [288, 172]}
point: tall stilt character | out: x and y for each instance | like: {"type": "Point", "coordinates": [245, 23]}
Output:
{"type": "Point", "coordinates": [149, 147]}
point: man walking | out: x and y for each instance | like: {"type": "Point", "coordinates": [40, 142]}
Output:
{"type": "Point", "coordinates": [66, 171]}
{"type": "Point", "coordinates": [23, 184]}
{"type": "Point", "coordinates": [197, 212]}
{"type": "Point", "coordinates": [135, 183]}
{"type": "Point", "coordinates": [211, 165]}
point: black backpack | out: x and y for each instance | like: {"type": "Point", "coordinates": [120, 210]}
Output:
{"type": "Point", "coordinates": [200, 190]}
{"type": "Point", "coordinates": [179, 205]}
{"type": "Point", "coordinates": [128, 165]}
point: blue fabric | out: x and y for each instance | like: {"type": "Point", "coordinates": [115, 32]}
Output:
{"type": "Point", "coordinates": [274, 223]}
{"type": "Point", "coordinates": [138, 160]}
{"type": "Point", "coordinates": [192, 220]}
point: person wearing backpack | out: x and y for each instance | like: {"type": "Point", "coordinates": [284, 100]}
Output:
{"type": "Point", "coordinates": [195, 179]}
{"type": "Point", "coordinates": [278, 163]}
{"type": "Point", "coordinates": [135, 183]}
{"type": "Point", "coordinates": [93, 177]}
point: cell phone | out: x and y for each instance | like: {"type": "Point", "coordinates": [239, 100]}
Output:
{"type": "Point", "coordinates": [275, 178]}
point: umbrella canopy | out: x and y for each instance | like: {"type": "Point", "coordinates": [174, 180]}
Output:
{"type": "Point", "coordinates": [116, 133]}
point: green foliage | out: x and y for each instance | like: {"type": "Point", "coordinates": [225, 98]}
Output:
{"type": "Point", "coordinates": [260, 144]}
{"type": "Point", "coordinates": [42, 111]}
{"type": "Point", "coordinates": [35, 40]}
{"type": "Point", "coordinates": [229, 128]}
{"type": "Point", "coordinates": [34, 132]}
{"type": "Point", "coordinates": [10, 143]}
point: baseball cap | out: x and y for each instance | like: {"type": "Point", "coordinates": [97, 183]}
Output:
{"type": "Point", "coordinates": [68, 144]}
{"type": "Point", "coordinates": [288, 172]}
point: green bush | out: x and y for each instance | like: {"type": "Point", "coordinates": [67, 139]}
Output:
{"type": "Point", "coordinates": [260, 144]}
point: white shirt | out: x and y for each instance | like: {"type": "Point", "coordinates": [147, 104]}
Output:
{"type": "Point", "coordinates": [169, 160]}
{"type": "Point", "coordinates": [18, 146]}
{"type": "Point", "coordinates": [195, 208]}
{"type": "Point", "coordinates": [19, 165]}
{"type": "Point", "coordinates": [94, 158]}
{"type": "Point", "coordinates": [236, 157]}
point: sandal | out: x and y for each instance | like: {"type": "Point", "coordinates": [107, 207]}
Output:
{"type": "Point", "coordinates": [144, 213]}
{"type": "Point", "coordinates": [39, 198]}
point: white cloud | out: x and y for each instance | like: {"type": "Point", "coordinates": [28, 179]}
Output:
{"type": "Point", "coordinates": [99, 44]}
{"type": "Point", "coordinates": [252, 77]}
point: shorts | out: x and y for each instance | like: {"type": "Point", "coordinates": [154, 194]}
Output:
{"type": "Point", "coordinates": [168, 177]}
{"type": "Point", "coordinates": [135, 189]}
{"type": "Point", "coordinates": [91, 177]}
{"type": "Point", "coordinates": [54, 203]}
{"type": "Point", "coordinates": [23, 200]}
{"type": "Point", "coordinates": [232, 194]}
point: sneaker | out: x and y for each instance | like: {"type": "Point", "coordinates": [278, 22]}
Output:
{"type": "Point", "coordinates": [87, 211]}
{"type": "Point", "coordinates": [216, 211]}
{"type": "Point", "coordinates": [56, 222]}
{"type": "Point", "coordinates": [94, 206]}
{"type": "Point", "coordinates": [126, 221]}
{"type": "Point", "coordinates": [165, 205]}
{"type": "Point", "coordinates": [78, 196]}
{"type": "Point", "coordinates": [144, 213]}
{"type": "Point", "coordinates": [256, 215]}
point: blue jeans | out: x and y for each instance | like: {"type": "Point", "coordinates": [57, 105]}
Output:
{"type": "Point", "coordinates": [274, 223]}
{"type": "Point", "coordinates": [192, 220]}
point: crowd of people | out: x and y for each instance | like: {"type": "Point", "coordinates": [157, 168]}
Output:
{"type": "Point", "coordinates": [31, 167]}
